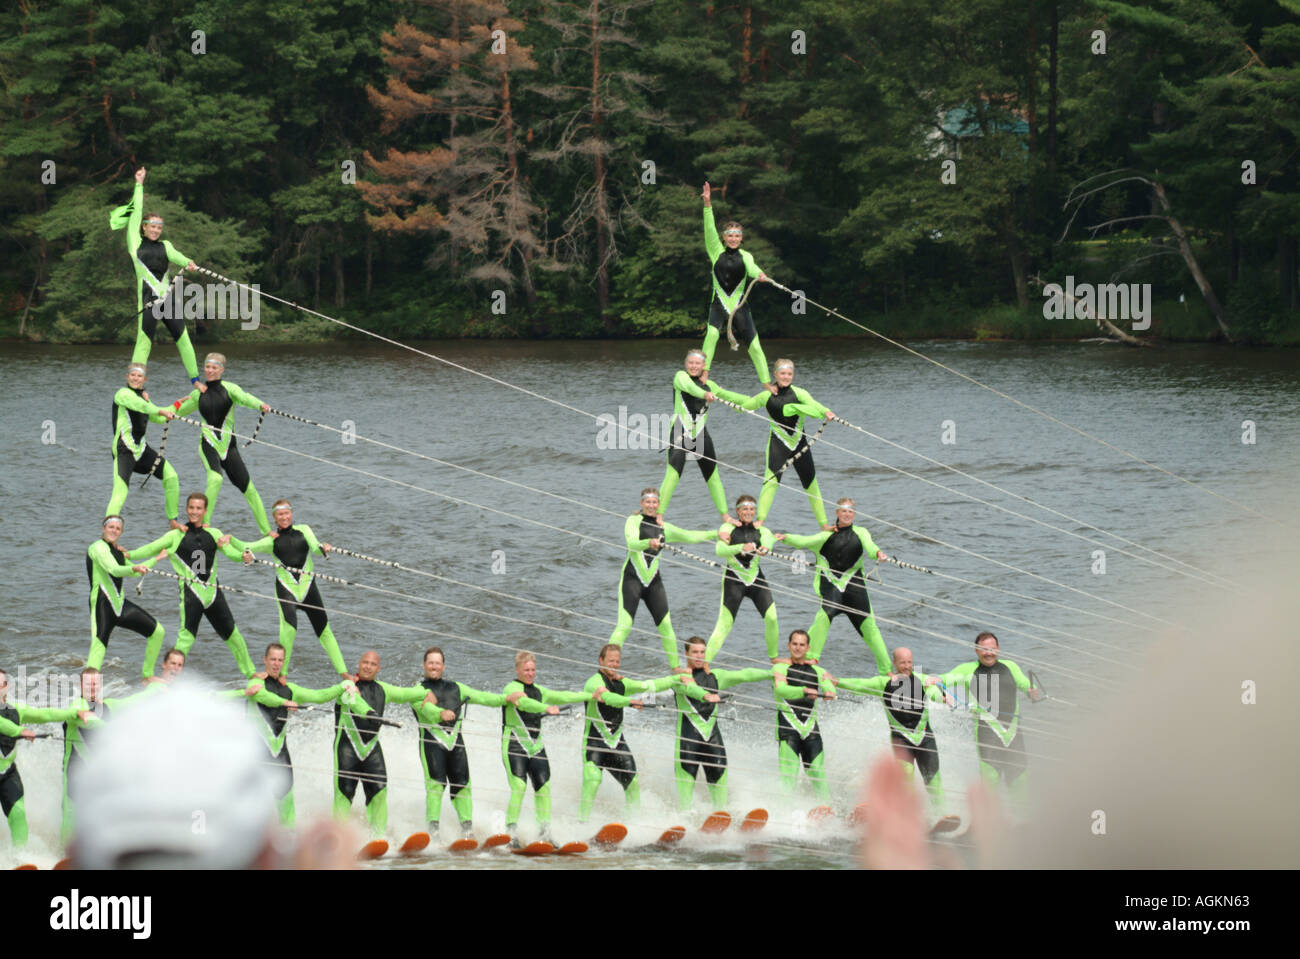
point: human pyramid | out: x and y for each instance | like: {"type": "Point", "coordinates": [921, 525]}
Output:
{"type": "Point", "coordinates": [798, 681]}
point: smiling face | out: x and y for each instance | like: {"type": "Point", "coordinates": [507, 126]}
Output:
{"type": "Point", "coordinates": [173, 665]}
{"type": "Point", "coordinates": [798, 646]}
{"type": "Point", "coordinates": [986, 650]}
{"type": "Point", "coordinates": [746, 511]}
{"type": "Point", "coordinates": [112, 530]}
{"type": "Point", "coordinates": [152, 228]}
{"type": "Point", "coordinates": [194, 510]}
{"type": "Point", "coordinates": [903, 661]}
{"type": "Point", "coordinates": [283, 517]}
{"type": "Point", "coordinates": [694, 365]}
{"type": "Point", "coordinates": [434, 665]}
{"type": "Point", "coordinates": [611, 660]}
{"type": "Point", "coordinates": [784, 375]}
{"type": "Point", "coordinates": [650, 504]}
{"type": "Point", "coordinates": [526, 671]}
{"type": "Point", "coordinates": [213, 371]}
{"type": "Point", "coordinates": [135, 378]}
{"type": "Point", "coordinates": [92, 684]}
{"type": "Point", "coordinates": [733, 237]}
{"type": "Point", "coordinates": [844, 515]}
{"type": "Point", "coordinates": [695, 655]}
{"type": "Point", "coordinates": [368, 668]}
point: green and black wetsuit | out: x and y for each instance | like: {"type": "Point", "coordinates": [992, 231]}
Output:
{"type": "Point", "coordinates": [131, 454]}
{"type": "Point", "coordinates": [294, 547]}
{"type": "Point", "coordinates": [785, 441]}
{"type": "Point", "coordinates": [605, 749]}
{"type": "Point", "coordinates": [731, 271]}
{"type": "Point", "coordinates": [358, 756]}
{"type": "Point", "coordinates": [217, 446]}
{"type": "Point", "coordinates": [908, 714]}
{"type": "Point", "coordinates": [442, 748]}
{"type": "Point", "coordinates": [799, 740]}
{"type": "Point", "coordinates": [152, 260]}
{"type": "Point", "coordinates": [194, 553]}
{"type": "Point", "coordinates": [691, 440]}
{"type": "Point", "coordinates": [524, 753]}
{"type": "Point", "coordinates": [842, 586]}
{"type": "Point", "coordinates": [699, 740]}
{"type": "Point", "coordinates": [269, 711]}
{"type": "Point", "coordinates": [641, 582]}
{"type": "Point", "coordinates": [106, 566]}
{"type": "Point", "coordinates": [742, 579]}
{"type": "Point", "coordinates": [994, 700]}
{"type": "Point", "coordinates": [13, 717]}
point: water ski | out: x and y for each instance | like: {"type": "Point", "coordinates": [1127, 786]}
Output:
{"type": "Point", "coordinates": [672, 835]}
{"type": "Point", "coordinates": [717, 822]}
{"type": "Point", "coordinates": [610, 834]}
{"type": "Point", "coordinates": [571, 849]}
{"type": "Point", "coordinates": [496, 839]}
{"type": "Point", "coordinates": [467, 844]}
{"type": "Point", "coordinates": [373, 849]}
{"type": "Point", "coordinates": [26, 865]}
{"type": "Point", "coordinates": [538, 848]}
{"type": "Point", "coordinates": [754, 820]}
{"type": "Point", "coordinates": [63, 864]}
{"type": "Point", "coordinates": [415, 842]}
{"type": "Point", "coordinates": [946, 824]}
{"type": "Point", "coordinates": [820, 813]}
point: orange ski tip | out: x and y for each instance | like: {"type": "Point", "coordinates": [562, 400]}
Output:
{"type": "Point", "coordinates": [373, 849]}
{"type": "Point", "coordinates": [535, 849]}
{"type": "Point", "coordinates": [25, 866]}
{"type": "Point", "coordinates": [611, 833]}
{"type": "Point", "coordinates": [63, 864]}
{"type": "Point", "coordinates": [572, 848]}
{"type": "Point", "coordinates": [499, 839]}
{"type": "Point", "coordinates": [415, 842]}
{"type": "Point", "coordinates": [673, 834]}
{"type": "Point", "coordinates": [717, 822]}
{"type": "Point", "coordinates": [465, 845]}
{"type": "Point", "coordinates": [755, 820]}
{"type": "Point", "coordinates": [820, 813]}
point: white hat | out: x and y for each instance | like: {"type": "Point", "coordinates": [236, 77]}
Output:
{"type": "Point", "coordinates": [179, 781]}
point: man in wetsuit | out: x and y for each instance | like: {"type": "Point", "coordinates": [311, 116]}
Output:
{"type": "Point", "coordinates": [217, 446]}
{"type": "Point", "coordinates": [132, 412]}
{"type": "Point", "coordinates": [640, 581]}
{"type": "Point", "coordinates": [745, 543]}
{"type": "Point", "coordinates": [786, 406]}
{"type": "Point", "coordinates": [993, 685]}
{"type": "Point", "coordinates": [194, 550]}
{"type": "Point", "coordinates": [842, 552]}
{"type": "Point", "coordinates": [293, 546]}
{"type": "Point", "coordinates": [358, 756]}
{"type": "Point", "coordinates": [14, 718]}
{"type": "Point", "coordinates": [605, 748]}
{"type": "Point", "coordinates": [522, 750]}
{"type": "Point", "coordinates": [442, 747]}
{"type": "Point", "coordinates": [731, 269]}
{"type": "Point", "coordinates": [699, 740]}
{"type": "Point", "coordinates": [692, 394]}
{"type": "Point", "coordinates": [270, 710]}
{"type": "Point", "coordinates": [106, 566]}
{"type": "Point", "coordinates": [904, 694]}
{"type": "Point", "coordinates": [798, 685]}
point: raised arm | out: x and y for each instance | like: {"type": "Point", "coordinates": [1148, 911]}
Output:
{"type": "Point", "coordinates": [712, 242]}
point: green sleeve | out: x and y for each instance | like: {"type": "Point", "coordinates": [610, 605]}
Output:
{"type": "Point", "coordinates": [554, 697]}
{"type": "Point", "coordinates": [174, 255]}
{"type": "Point", "coordinates": [233, 550]}
{"type": "Point", "coordinates": [869, 548]}
{"type": "Point", "coordinates": [610, 698]}
{"type": "Point", "coordinates": [263, 545]}
{"type": "Point", "coordinates": [189, 405]}
{"type": "Point", "coordinates": [874, 686]}
{"type": "Point", "coordinates": [404, 694]}
{"type": "Point", "coordinates": [103, 558]}
{"type": "Point", "coordinates": [526, 703]}
{"type": "Point", "coordinates": [806, 406]}
{"type": "Point", "coordinates": [751, 268]}
{"type": "Point", "coordinates": [959, 675]}
{"type": "Point", "coordinates": [693, 690]}
{"type": "Point", "coordinates": [243, 398]}
{"type": "Point", "coordinates": [825, 684]}
{"type": "Point", "coordinates": [813, 542]}
{"type": "Point", "coordinates": [635, 687]}
{"type": "Point", "coordinates": [133, 401]}
{"type": "Point", "coordinates": [1022, 681]}
{"type": "Point", "coordinates": [129, 214]}
{"type": "Point", "coordinates": [9, 729]}
{"type": "Point", "coordinates": [265, 698]}
{"type": "Point", "coordinates": [675, 534]}
{"type": "Point", "coordinates": [630, 529]}
{"type": "Point", "coordinates": [303, 695]}
{"type": "Point", "coordinates": [478, 697]}
{"type": "Point", "coordinates": [781, 687]}
{"type": "Point", "coordinates": [48, 714]}
{"type": "Point", "coordinates": [733, 677]}
{"type": "Point", "coordinates": [682, 381]}
{"type": "Point", "coordinates": [712, 242]}
{"type": "Point", "coordinates": [755, 402]}
{"type": "Point", "coordinates": [153, 689]}
{"type": "Point", "coordinates": [312, 542]}
{"type": "Point", "coordinates": [727, 549]}
{"type": "Point", "coordinates": [167, 541]}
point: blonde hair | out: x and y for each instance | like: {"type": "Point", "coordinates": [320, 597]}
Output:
{"type": "Point", "coordinates": [524, 656]}
{"type": "Point", "coordinates": [782, 361]}
{"type": "Point", "coordinates": [218, 358]}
